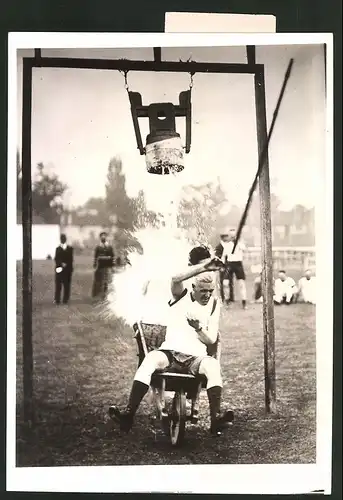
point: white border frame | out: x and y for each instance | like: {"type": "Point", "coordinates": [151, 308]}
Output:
{"type": "Point", "coordinates": [257, 479]}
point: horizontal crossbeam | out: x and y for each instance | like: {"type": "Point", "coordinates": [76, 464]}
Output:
{"type": "Point", "coordinates": [158, 66]}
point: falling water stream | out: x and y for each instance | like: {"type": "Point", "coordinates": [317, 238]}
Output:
{"type": "Point", "coordinates": [165, 252]}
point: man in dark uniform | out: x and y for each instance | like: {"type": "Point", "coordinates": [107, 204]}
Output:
{"type": "Point", "coordinates": [103, 264]}
{"type": "Point", "coordinates": [64, 260]}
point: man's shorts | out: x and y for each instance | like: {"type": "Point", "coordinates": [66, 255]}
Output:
{"type": "Point", "coordinates": [236, 268]}
{"type": "Point", "coordinates": [183, 363]}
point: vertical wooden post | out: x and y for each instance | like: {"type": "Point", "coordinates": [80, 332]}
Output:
{"type": "Point", "coordinates": [157, 54]}
{"type": "Point", "coordinates": [266, 234]}
{"type": "Point", "coordinates": [27, 242]}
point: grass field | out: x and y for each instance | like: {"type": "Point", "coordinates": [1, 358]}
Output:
{"type": "Point", "coordinates": [83, 363]}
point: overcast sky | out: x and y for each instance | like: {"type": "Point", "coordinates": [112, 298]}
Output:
{"type": "Point", "coordinates": [81, 118]}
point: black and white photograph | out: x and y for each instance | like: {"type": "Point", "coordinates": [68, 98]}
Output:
{"type": "Point", "coordinates": [170, 251]}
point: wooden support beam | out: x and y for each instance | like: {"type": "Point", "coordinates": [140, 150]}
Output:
{"type": "Point", "coordinates": [27, 242]}
{"type": "Point", "coordinates": [266, 234]}
{"type": "Point", "coordinates": [157, 54]}
{"type": "Point", "coordinates": [38, 54]}
{"type": "Point", "coordinates": [129, 65]}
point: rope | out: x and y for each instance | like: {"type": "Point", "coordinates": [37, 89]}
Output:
{"type": "Point", "coordinates": [263, 155]}
{"type": "Point", "coordinates": [125, 72]}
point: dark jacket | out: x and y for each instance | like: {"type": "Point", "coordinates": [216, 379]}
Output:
{"type": "Point", "coordinates": [103, 257]}
{"type": "Point", "coordinates": [219, 251]}
{"type": "Point", "coordinates": [64, 257]}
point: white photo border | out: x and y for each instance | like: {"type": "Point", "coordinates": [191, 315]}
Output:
{"type": "Point", "coordinates": [232, 479]}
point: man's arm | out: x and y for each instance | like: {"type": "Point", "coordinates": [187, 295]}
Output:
{"type": "Point", "coordinates": [207, 334]}
{"type": "Point", "coordinates": [71, 258]}
{"type": "Point", "coordinates": [177, 286]}
{"type": "Point", "coordinates": [95, 257]}
{"type": "Point", "coordinates": [210, 333]}
{"type": "Point", "coordinates": [57, 257]}
{"type": "Point", "coordinates": [218, 251]}
{"type": "Point", "coordinates": [291, 282]}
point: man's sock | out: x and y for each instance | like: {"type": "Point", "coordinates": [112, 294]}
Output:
{"type": "Point", "coordinates": [214, 395]}
{"type": "Point", "coordinates": [138, 392]}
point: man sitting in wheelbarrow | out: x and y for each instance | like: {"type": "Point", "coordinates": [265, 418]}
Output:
{"type": "Point", "coordinates": [192, 325]}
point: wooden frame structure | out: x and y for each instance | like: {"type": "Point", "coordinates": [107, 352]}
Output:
{"type": "Point", "coordinates": [158, 65]}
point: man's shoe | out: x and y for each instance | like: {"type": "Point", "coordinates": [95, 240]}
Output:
{"type": "Point", "coordinates": [124, 418]}
{"type": "Point", "coordinates": [220, 422]}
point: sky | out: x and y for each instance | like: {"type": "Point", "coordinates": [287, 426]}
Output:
{"type": "Point", "coordinates": [81, 119]}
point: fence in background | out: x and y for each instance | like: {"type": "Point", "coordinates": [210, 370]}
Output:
{"type": "Point", "coordinates": [284, 257]}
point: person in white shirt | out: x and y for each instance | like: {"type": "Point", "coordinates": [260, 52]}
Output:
{"type": "Point", "coordinates": [285, 290]}
{"type": "Point", "coordinates": [307, 288]}
{"type": "Point", "coordinates": [234, 264]}
{"type": "Point", "coordinates": [192, 326]}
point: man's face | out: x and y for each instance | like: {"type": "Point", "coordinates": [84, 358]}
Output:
{"type": "Point", "coordinates": [103, 238]}
{"type": "Point", "coordinates": [308, 274]}
{"type": "Point", "coordinates": [282, 276]}
{"type": "Point", "coordinates": [225, 238]}
{"type": "Point", "coordinates": [202, 292]}
{"type": "Point", "coordinates": [63, 239]}
{"type": "Point", "coordinates": [232, 235]}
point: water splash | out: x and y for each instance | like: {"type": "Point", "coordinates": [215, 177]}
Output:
{"type": "Point", "coordinates": [165, 251]}
{"type": "Point", "coordinates": [164, 254]}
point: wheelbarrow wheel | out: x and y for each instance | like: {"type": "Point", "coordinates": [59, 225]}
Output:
{"type": "Point", "coordinates": [178, 418]}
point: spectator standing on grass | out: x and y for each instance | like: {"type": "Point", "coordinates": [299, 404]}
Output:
{"type": "Point", "coordinates": [64, 260]}
{"type": "Point", "coordinates": [234, 264]}
{"type": "Point", "coordinates": [285, 291]}
{"type": "Point", "coordinates": [307, 288]}
{"type": "Point", "coordinates": [103, 264]}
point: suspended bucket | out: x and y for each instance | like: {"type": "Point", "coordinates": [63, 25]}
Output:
{"type": "Point", "coordinates": [164, 153]}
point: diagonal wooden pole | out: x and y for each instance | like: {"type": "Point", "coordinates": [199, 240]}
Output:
{"type": "Point", "coordinates": [262, 176]}
{"type": "Point", "coordinates": [264, 138]}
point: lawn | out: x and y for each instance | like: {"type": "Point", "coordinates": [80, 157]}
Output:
{"type": "Point", "coordinates": [84, 362]}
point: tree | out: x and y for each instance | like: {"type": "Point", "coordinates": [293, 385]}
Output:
{"type": "Point", "coordinates": [200, 211]}
{"type": "Point", "coordinates": [142, 216]}
{"type": "Point", "coordinates": [118, 204]}
{"type": "Point", "coordinates": [46, 195]}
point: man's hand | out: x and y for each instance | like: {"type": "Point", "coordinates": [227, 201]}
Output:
{"type": "Point", "coordinates": [214, 264]}
{"type": "Point", "coordinates": [194, 323]}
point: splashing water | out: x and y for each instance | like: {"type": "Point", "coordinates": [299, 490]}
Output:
{"type": "Point", "coordinates": [165, 252]}
{"type": "Point", "coordinates": [163, 255]}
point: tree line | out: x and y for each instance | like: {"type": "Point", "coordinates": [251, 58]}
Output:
{"type": "Point", "coordinates": [203, 213]}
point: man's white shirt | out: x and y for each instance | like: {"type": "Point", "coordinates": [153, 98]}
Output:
{"type": "Point", "coordinates": [282, 287]}
{"type": "Point", "coordinates": [180, 336]}
{"type": "Point", "coordinates": [307, 289]}
{"type": "Point", "coordinates": [237, 256]}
